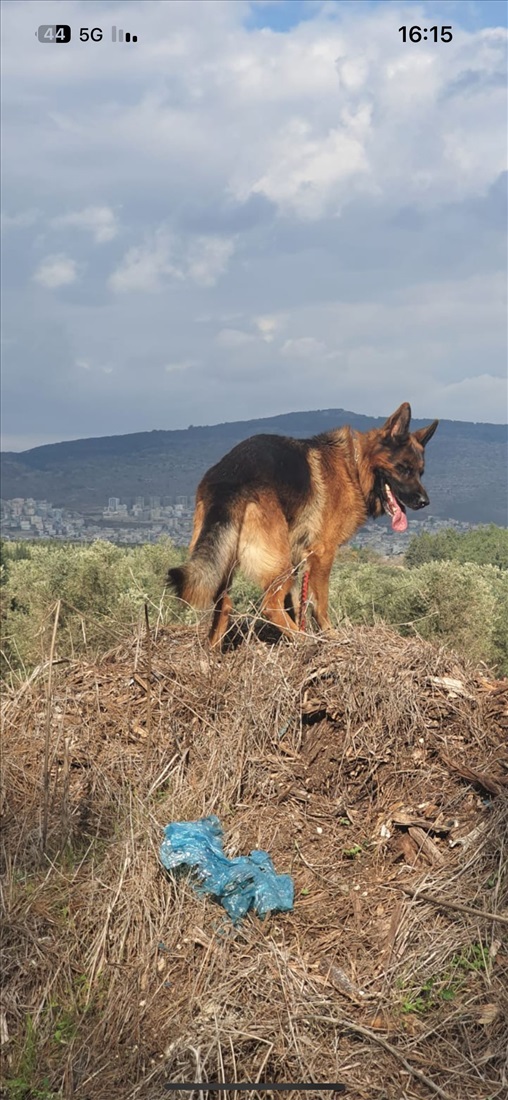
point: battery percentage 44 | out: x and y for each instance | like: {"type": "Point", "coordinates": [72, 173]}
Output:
{"type": "Point", "coordinates": [56, 32]}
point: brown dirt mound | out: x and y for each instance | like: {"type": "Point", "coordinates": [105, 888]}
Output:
{"type": "Point", "coordinates": [373, 768]}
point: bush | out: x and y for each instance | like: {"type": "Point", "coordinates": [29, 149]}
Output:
{"type": "Point", "coordinates": [102, 589]}
{"type": "Point", "coordinates": [482, 545]}
{"type": "Point", "coordinates": [463, 606]}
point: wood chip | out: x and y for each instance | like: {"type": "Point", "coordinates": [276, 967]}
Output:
{"type": "Point", "coordinates": [427, 846]}
{"type": "Point", "coordinates": [452, 686]}
{"type": "Point", "coordinates": [488, 1014]}
{"type": "Point", "coordinates": [408, 848]}
{"type": "Point", "coordinates": [405, 819]}
{"type": "Point", "coordinates": [482, 779]}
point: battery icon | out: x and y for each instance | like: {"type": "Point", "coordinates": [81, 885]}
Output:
{"type": "Point", "coordinates": [55, 32]}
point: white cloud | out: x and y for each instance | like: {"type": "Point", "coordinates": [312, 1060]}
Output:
{"type": "Point", "coordinates": [88, 365]}
{"type": "Point", "coordinates": [474, 398]}
{"type": "Point", "coordinates": [268, 326]}
{"type": "Point", "coordinates": [100, 221]}
{"type": "Point", "coordinates": [208, 258]}
{"type": "Point", "coordinates": [144, 266]}
{"type": "Point", "coordinates": [199, 259]}
{"type": "Point", "coordinates": [307, 172]}
{"type": "Point", "coordinates": [55, 271]}
{"type": "Point", "coordinates": [351, 119]}
{"type": "Point", "coordinates": [233, 338]}
{"type": "Point", "coordinates": [305, 347]}
{"type": "Point", "coordinates": [307, 118]}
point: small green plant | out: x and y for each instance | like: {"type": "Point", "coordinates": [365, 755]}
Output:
{"type": "Point", "coordinates": [23, 1086]}
{"type": "Point", "coordinates": [352, 853]}
{"type": "Point", "coordinates": [472, 958]}
{"type": "Point", "coordinates": [18, 1089]}
{"type": "Point", "coordinates": [446, 987]}
{"type": "Point", "coordinates": [65, 1027]}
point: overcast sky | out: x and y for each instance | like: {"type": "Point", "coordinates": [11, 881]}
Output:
{"type": "Point", "coordinates": [259, 207]}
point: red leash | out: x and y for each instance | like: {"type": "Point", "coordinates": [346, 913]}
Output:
{"type": "Point", "coordinates": [304, 600]}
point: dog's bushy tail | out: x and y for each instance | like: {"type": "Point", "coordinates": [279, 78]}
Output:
{"type": "Point", "coordinates": [202, 579]}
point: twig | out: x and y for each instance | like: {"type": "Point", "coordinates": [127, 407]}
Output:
{"type": "Point", "coordinates": [420, 895]}
{"type": "Point", "coordinates": [45, 781]}
{"type": "Point", "coordinates": [148, 692]}
{"type": "Point", "coordinates": [140, 680]}
{"type": "Point", "coordinates": [392, 933]}
{"type": "Point", "coordinates": [65, 808]}
{"type": "Point", "coordinates": [97, 958]}
{"type": "Point", "coordinates": [368, 1034]}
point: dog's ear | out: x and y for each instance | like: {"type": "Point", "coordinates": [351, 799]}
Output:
{"type": "Point", "coordinates": [397, 425]}
{"type": "Point", "coordinates": [424, 434]}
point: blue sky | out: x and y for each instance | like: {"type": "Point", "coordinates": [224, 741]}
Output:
{"type": "Point", "coordinates": [258, 208]}
{"type": "Point", "coordinates": [282, 15]}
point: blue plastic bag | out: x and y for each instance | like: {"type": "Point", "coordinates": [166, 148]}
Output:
{"type": "Point", "coordinates": [238, 884]}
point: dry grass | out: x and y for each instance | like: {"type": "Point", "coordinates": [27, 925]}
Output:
{"type": "Point", "coordinates": [371, 767]}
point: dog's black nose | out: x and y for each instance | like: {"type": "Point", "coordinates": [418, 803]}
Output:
{"type": "Point", "coordinates": [423, 499]}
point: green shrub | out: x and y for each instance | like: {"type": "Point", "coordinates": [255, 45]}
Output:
{"type": "Point", "coordinates": [103, 588]}
{"type": "Point", "coordinates": [482, 545]}
{"type": "Point", "coordinates": [463, 606]}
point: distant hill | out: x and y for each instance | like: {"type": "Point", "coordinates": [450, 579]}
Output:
{"type": "Point", "coordinates": [466, 472]}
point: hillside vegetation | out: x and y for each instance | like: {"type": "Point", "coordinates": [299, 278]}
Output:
{"type": "Point", "coordinates": [482, 545]}
{"type": "Point", "coordinates": [455, 592]}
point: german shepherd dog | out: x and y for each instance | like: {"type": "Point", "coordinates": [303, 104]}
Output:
{"type": "Point", "coordinates": [274, 504]}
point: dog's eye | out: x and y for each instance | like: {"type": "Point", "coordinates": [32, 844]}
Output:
{"type": "Point", "coordinates": [406, 471]}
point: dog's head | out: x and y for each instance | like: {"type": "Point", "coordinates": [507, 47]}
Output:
{"type": "Point", "coordinates": [398, 463]}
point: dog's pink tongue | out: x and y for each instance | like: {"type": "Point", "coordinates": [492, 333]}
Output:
{"type": "Point", "coordinates": [399, 518]}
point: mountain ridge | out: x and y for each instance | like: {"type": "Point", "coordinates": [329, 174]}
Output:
{"type": "Point", "coordinates": [466, 462]}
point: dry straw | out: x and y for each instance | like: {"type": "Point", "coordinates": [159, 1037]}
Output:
{"type": "Point", "coordinates": [344, 756]}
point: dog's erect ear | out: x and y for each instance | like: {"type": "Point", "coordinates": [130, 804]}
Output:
{"type": "Point", "coordinates": [397, 425]}
{"type": "Point", "coordinates": [424, 434]}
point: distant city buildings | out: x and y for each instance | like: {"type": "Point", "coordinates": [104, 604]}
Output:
{"type": "Point", "coordinates": [150, 520]}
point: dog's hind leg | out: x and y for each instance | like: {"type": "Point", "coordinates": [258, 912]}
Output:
{"type": "Point", "coordinates": [220, 621]}
{"type": "Point", "coordinates": [264, 555]}
{"type": "Point", "coordinates": [274, 603]}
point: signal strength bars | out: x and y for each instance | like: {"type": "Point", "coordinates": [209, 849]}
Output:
{"type": "Point", "coordinates": [128, 36]}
